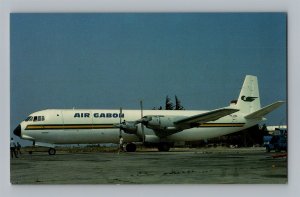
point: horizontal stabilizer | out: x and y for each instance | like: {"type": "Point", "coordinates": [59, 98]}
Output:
{"type": "Point", "coordinates": [208, 116]}
{"type": "Point", "coordinates": [264, 111]}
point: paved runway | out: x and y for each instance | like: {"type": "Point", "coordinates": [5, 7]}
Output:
{"type": "Point", "coordinates": [180, 166]}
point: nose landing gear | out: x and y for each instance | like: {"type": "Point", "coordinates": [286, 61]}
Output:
{"type": "Point", "coordinates": [51, 151]}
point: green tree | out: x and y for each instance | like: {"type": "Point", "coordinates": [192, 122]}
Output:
{"type": "Point", "coordinates": [178, 105]}
{"type": "Point", "coordinates": [169, 104]}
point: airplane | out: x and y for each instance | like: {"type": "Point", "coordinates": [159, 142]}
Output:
{"type": "Point", "coordinates": [161, 128]}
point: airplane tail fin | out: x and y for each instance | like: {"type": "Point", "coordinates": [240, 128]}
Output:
{"type": "Point", "coordinates": [249, 100]}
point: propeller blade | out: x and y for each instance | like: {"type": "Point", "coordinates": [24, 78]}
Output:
{"type": "Point", "coordinates": [120, 115]}
{"type": "Point", "coordinates": [143, 133]}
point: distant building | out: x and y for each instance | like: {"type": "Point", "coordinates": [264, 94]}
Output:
{"type": "Point", "coordinates": [277, 130]}
{"type": "Point", "coordinates": [271, 129]}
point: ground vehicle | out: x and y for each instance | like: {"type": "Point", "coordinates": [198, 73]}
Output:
{"type": "Point", "coordinates": [277, 141]}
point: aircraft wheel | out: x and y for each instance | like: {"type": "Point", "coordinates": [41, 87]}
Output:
{"type": "Point", "coordinates": [130, 147]}
{"type": "Point", "coordinates": [51, 151]}
{"type": "Point", "coordinates": [268, 149]}
{"type": "Point", "coordinates": [163, 147]}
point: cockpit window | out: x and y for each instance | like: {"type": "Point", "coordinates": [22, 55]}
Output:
{"type": "Point", "coordinates": [35, 118]}
{"type": "Point", "coordinates": [28, 119]}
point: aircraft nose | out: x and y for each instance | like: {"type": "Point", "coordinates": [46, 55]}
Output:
{"type": "Point", "coordinates": [17, 131]}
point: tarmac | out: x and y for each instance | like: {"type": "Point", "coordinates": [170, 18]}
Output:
{"type": "Point", "coordinates": [179, 166]}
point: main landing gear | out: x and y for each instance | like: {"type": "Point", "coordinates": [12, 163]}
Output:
{"type": "Point", "coordinates": [163, 147]}
{"type": "Point", "coordinates": [130, 147]}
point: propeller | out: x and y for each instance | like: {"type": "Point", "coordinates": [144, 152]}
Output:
{"type": "Point", "coordinates": [130, 127]}
{"type": "Point", "coordinates": [120, 115]}
{"type": "Point", "coordinates": [142, 123]}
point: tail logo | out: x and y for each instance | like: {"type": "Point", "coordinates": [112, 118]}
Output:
{"type": "Point", "coordinates": [249, 98]}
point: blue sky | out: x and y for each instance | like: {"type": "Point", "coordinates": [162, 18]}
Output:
{"type": "Point", "coordinates": [112, 60]}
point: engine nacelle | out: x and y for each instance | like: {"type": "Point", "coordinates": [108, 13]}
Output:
{"type": "Point", "coordinates": [162, 123]}
{"type": "Point", "coordinates": [129, 127]}
{"type": "Point", "coordinates": [152, 139]}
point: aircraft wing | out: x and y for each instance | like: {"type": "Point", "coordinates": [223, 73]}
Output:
{"type": "Point", "coordinates": [205, 117]}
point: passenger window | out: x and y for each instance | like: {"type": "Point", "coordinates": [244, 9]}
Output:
{"type": "Point", "coordinates": [43, 118]}
{"type": "Point", "coordinates": [35, 118]}
{"type": "Point", "coordinates": [39, 118]}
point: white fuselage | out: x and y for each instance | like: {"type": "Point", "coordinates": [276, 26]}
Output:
{"type": "Point", "coordinates": [88, 126]}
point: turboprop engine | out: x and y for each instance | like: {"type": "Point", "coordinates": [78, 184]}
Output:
{"type": "Point", "coordinates": [162, 125]}
{"type": "Point", "coordinates": [129, 127]}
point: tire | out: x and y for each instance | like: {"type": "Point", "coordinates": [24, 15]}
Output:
{"type": "Point", "coordinates": [51, 151]}
{"type": "Point", "coordinates": [130, 147]}
{"type": "Point", "coordinates": [163, 147]}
